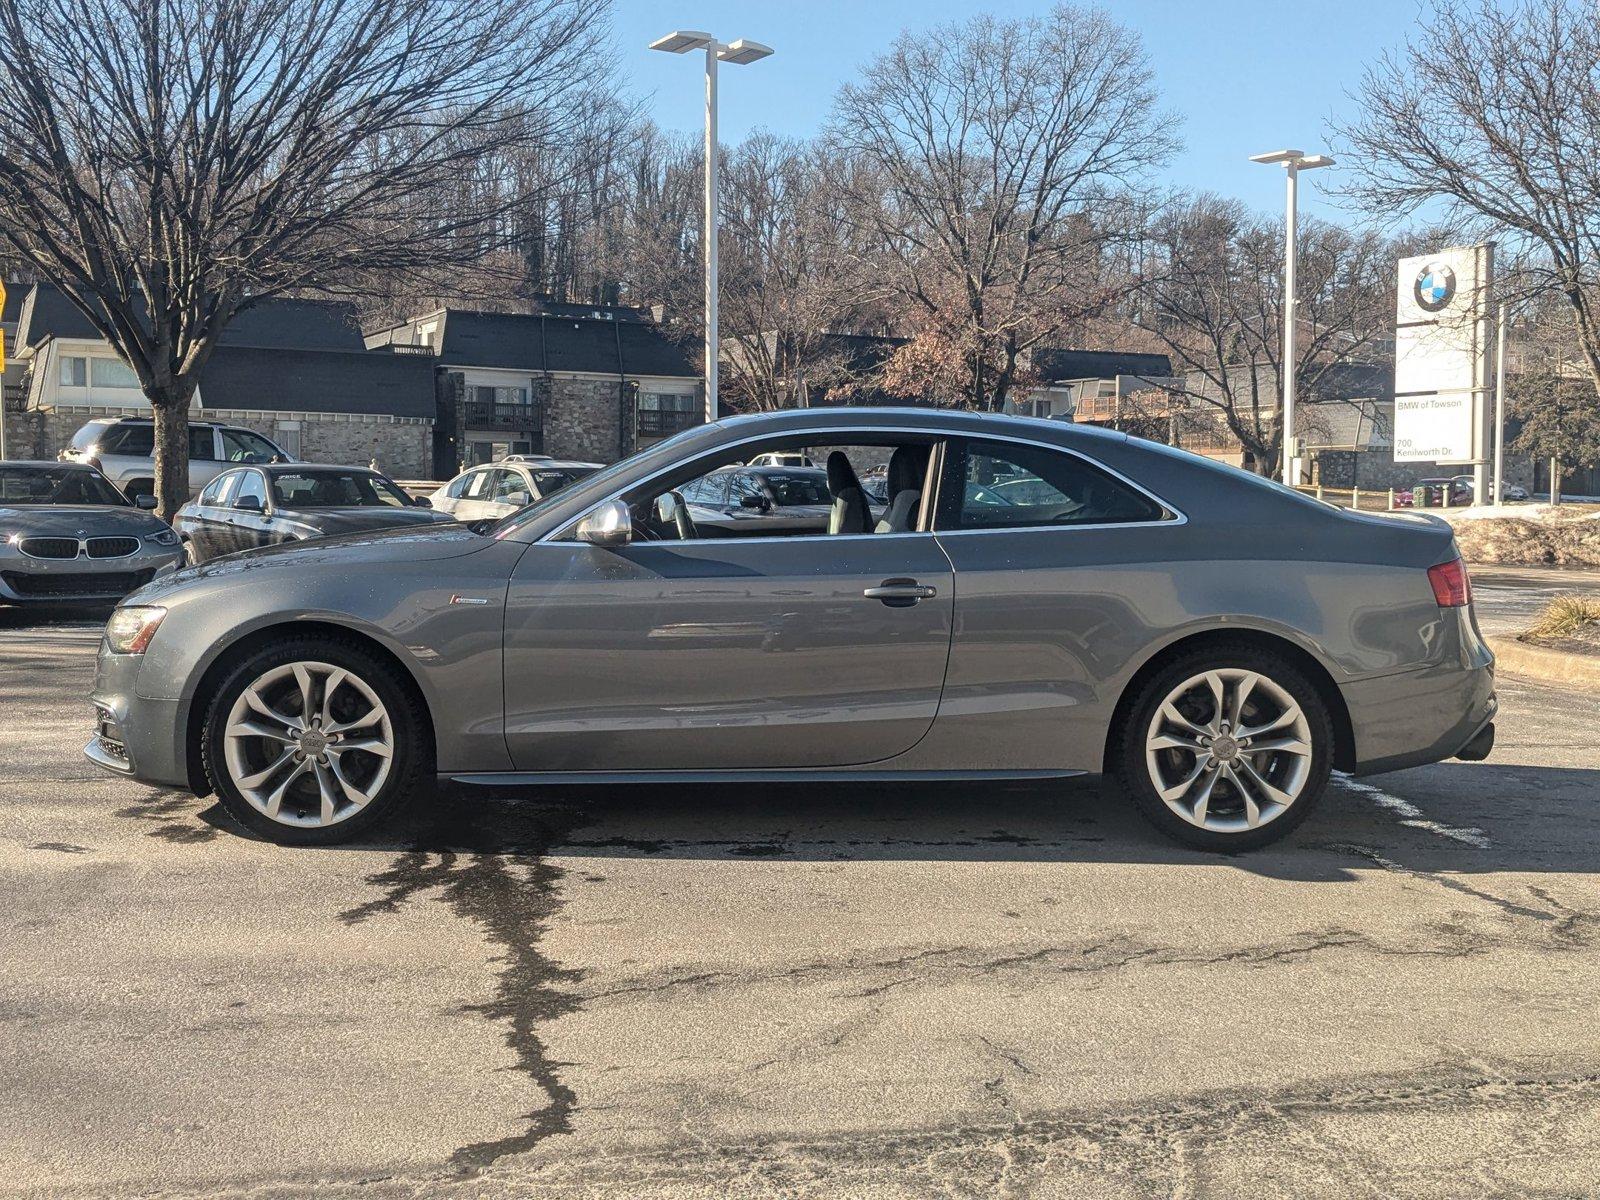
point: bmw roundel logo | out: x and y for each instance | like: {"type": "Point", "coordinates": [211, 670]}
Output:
{"type": "Point", "coordinates": [1435, 284]}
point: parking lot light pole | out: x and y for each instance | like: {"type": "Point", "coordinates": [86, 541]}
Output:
{"type": "Point", "coordinates": [1294, 161]}
{"type": "Point", "coordinates": [740, 52]}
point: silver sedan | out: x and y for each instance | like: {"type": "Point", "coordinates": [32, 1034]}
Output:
{"type": "Point", "coordinates": [1032, 600]}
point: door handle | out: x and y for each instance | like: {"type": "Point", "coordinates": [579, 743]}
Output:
{"type": "Point", "coordinates": [900, 593]}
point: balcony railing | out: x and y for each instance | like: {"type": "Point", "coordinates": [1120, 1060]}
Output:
{"type": "Point", "coordinates": [664, 422]}
{"type": "Point", "coordinates": [480, 415]}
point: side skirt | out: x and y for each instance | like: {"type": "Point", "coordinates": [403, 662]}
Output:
{"type": "Point", "coordinates": [490, 779]}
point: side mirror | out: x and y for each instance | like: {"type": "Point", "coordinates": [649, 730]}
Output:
{"type": "Point", "coordinates": [610, 525]}
{"type": "Point", "coordinates": [760, 503]}
{"type": "Point", "coordinates": [248, 504]}
{"type": "Point", "coordinates": [422, 502]}
{"type": "Point", "coordinates": [145, 502]}
{"type": "Point", "coordinates": [519, 499]}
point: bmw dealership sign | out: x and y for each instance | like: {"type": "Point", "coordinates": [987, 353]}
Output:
{"type": "Point", "coordinates": [1441, 369]}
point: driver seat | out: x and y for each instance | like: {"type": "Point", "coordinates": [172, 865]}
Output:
{"type": "Point", "coordinates": [850, 513]}
{"type": "Point", "coordinates": [908, 470]}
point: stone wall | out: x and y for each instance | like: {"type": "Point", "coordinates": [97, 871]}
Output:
{"type": "Point", "coordinates": [403, 449]}
{"type": "Point", "coordinates": [583, 419]}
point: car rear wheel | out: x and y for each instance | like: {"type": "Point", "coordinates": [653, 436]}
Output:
{"type": "Point", "coordinates": [1227, 748]}
{"type": "Point", "coordinates": [313, 741]}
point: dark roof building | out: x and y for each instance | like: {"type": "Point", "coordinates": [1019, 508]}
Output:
{"type": "Point", "coordinates": [581, 382]}
{"type": "Point", "coordinates": [1064, 366]}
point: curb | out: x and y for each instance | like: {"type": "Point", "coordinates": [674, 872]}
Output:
{"type": "Point", "coordinates": [1549, 666]}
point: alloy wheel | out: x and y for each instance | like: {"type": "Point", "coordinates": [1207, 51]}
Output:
{"type": "Point", "coordinates": [308, 744]}
{"type": "Point", "coordinates": [1229, 750]}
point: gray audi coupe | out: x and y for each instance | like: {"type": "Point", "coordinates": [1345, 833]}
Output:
{"type": "Point", "coordinates": [1030, 600]}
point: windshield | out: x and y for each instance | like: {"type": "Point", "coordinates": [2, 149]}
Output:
{"type": "Point", "coordinates": [798, 488]}
{"type": "Point", "coordinates": [57, 485]}
{"type": "Point", "coordinates": [336, 489]}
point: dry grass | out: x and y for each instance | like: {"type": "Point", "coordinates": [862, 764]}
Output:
{"type": "Point", "coordinates": [1510, 541]}
{"type": "Point", "coordinates": [1568, 615]}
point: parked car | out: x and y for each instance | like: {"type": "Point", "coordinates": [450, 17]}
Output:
{"type": "Point", "coordinates": [67, 533]}
{"type": "Point", "coordinates": [792, 458]}
{"type": "Point", "coordinates": [1430, 493]}
{"type": "Point", "coordinates": [1508, 491]}
{"type": "Point", "coordinates": [124, 449]}
{"type": "Point", "coordinates": [1214, 641]}
{"type": "Point", "coordinates": [496, 490]}
{"type": "Point", "coordinates": [249, 507]}
{"type": "Point", "coordinates": [758, 501]}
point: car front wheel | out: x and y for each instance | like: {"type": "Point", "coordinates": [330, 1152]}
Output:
{"type": "Point", "coordinates": [1227, 749]}
{"type": "Point", "coordinates": [313, 741]}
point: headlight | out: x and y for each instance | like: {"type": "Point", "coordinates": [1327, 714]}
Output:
{"type": "Point", "coordinates": [130, 629]}
{"type": "Point", "coordinates": [162, 537]}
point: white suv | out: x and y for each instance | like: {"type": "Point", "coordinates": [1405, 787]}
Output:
{"type": "Point", "coordinates": [123, 448]}
{"type": "Point", "coordinates": [498, 489]}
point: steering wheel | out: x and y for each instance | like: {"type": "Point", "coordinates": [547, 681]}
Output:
{"type": "Point", "coordinates": [673, 510]}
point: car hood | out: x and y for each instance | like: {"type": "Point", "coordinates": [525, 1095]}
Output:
{"type": "Point", "coordinates": [76, 520]}
{"type": "Point", "coordinates": [348, 520]}
{"type": "Point", "coordinates": [348, 553]}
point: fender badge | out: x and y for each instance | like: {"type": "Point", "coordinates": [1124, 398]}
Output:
{"type": "Point", "coordinates": [459, 599]}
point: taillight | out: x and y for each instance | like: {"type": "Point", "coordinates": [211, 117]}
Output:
{"type": "Point", "coordinates": [1451, 586]}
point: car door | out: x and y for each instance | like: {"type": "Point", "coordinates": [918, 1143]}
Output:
{"type": "Point", "coordinates": [205, 522]}
{"type": "Point", "coordinates": [472, 504]}
{"type": "Point", "coordinates": [725, 654]}
{"type": "Point", "coordinates": [250, 521]}
{"type": "Point", "coordinates": [1065, 570]}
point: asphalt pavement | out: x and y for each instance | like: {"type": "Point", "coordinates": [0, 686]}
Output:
{"type": "Point", "coordinates": [835, 991]}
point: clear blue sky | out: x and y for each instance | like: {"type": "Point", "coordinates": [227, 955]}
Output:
{"type": "Point", "coordinates": [1244, 76]}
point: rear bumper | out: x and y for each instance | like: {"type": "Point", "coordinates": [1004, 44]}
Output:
{"type": "Point", "coordinates": [1419, 717]}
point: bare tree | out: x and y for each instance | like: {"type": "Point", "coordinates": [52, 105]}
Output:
{"type": "Point", "coordinates": [789, 263]}
{"type": "Point", "coordinates": [169, 163]}
{"type": "Point", "coordinates": [1214, 302]}
{"type": "Point", "coordinates": [1493, 112]}
{"type": "Point", "coordinates": [992, 148]}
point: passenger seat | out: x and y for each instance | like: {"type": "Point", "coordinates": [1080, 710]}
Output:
{"type": "Point", "coordinates": [908, 471]}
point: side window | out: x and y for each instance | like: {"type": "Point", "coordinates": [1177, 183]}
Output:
{"type": "Point", "coordinates": [214, 489]}
{"type": "Point", "coordinates": [241, 445]}
{"type": "Point", "coordinates": [137, 441]}
{"type": "Point", "coordinates": [710, 490]}
{"type": "Point", "coordinates": [1002, 485]}
{"type": "Point", "coordinates": [203, 444]}
{"type": "Point", "coordinates": [458, 487]}
{"type": "Point", "coordinates": [478, 485]}
{"type": "Point", "coordinates": [251, 483]}
{"type": "Point", "coordinates": [745, 485]}
{"type": "Point", "coordinates": [509, 484]}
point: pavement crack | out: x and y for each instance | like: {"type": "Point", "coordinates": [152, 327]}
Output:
{"type": "Point", "coordinates": [495, 872]}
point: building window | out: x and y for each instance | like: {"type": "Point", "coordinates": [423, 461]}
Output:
{"type": "Point", "coordinates": [662, 414]}
{"type": "Point", "coordinates": [74, 371]}
{"type": "Point", "coordinates": [112, 373]}
{"type": "Point", "coordinates": [500, 396]}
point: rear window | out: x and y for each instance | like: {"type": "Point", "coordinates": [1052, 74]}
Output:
{"type": "Point", "coordinates": [88, 435]}
{"type": "Point", "coordinates": [800, 489]}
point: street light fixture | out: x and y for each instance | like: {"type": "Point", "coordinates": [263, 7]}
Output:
{"type": "Point", "coordinates": [1294, 161]}
{"type": "Point", "coordinates": [739, 53]}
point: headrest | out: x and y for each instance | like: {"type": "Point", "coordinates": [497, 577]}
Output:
{"type": "Point", "coordinates": [908, 469]}
{"type": "Point", "coordinates": [841, 474]}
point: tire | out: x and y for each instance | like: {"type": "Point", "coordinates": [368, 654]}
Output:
{"type": "Point", "coordinates": [302, 791]}
{"type": "Point", "coordinates": [190, 558]}
{"type": "Point", "coordinates": [1236, 794]}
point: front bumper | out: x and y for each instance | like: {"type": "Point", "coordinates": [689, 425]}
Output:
{"type": "Point", "coordinates": [136, 737]}
{"type": "Point", "coordinates": [25, 580]}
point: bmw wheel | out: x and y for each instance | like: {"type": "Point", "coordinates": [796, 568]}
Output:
{"type": "Point", "coordinates": [313, 741]}
{"type": "Point", "coordinates": [1227, 749]}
